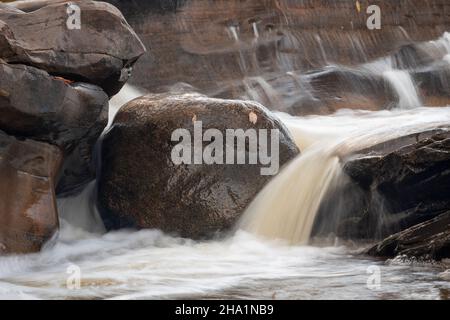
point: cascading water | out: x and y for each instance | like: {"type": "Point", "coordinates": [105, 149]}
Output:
{"type": "Point", "coordinates": [403, 84]}
{"type": "Point", "coordinates": [148, 264]}
{"type": "Point", "coordinates": [286, 208]}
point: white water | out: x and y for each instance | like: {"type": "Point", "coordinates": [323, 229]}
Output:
{"type": "Point", "coordinates": [147, 264]}
{"type": "Point", "coordinates": [403, 85]}
{"type": "Point", "coordinates": [126, 94]}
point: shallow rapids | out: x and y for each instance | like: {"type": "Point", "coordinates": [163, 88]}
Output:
{"type": "Point", "coordinates": [150, 265]}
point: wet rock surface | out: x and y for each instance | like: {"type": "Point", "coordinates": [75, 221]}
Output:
{"type": "Point", "coordinates": [429, 240]}
{"type": "Point", "coordinates": [141, 187]}
{"type": "Point", "coordinates": [60, 62]}
{"type": "Point", "coordinates": [28, 214]}
{"type": "Point", "coordinates": [392, 186]}
{"type": "Point", "coordinates": [36, 105]}
{"type": "Point", "coordinates": [98, 49]}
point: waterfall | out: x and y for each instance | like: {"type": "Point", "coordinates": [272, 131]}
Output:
{"type": "Point", "coordinates": [233, 30]}
{"type": "Point", "coordinates": [403, 85]}
{"type": "Point", "coordinates": [255, 30]}
{"type": "Point", "coordinates": [287, 206]}
{"type": "Point", "coordinates": [286, 210]}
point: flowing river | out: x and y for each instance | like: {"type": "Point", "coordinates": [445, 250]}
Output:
{"type": "Point", "coordinates": [269, 255]}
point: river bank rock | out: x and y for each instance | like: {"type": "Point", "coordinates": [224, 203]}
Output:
{"type": "Point", "coordinates": [429, 240]}
{"type": "Point", "coordinates": [262, 50]}
{"type": "Point", "coordinates": [36, 105]}
{"type": "Point", "coordinates": [28, 214]}
{"type": "Point", "coordinates": [100, 48]}
{"type": "Point", "coordinates": [392, 186]}
{"type": "Point", "coordinates": [140, 186]}
{"type": "Point", "coordinates": [221, 42]}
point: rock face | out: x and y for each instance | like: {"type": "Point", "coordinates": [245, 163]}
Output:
{"type": "Point", "coordinates": [28, 214]}
{"type": "Point", "coordinates": [100, 48]}
{"type": "Point", "coordinates": [394, 186]}
{"type": "Point", "coordinates": [141, 187]}
{"type": "Point", "coordinates": [60, 62]}
{"type": "Point", "coordinates": [35, 105]}
{"type": "Point", "coordinates": [429, 240]}
{"type": "Point", "coordinates": [269, 51]}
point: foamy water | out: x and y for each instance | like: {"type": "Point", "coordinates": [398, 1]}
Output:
{"type": "Point", "coordinates": [150, 265]}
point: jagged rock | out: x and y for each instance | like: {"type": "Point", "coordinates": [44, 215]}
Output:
{"type": "Point", "coordinates": [429, 240]}
{"type": "Point", "coordinates": [35, 105]}
{"type": "Point", "coordinates": [28, 213]}
{"type": "Point", "coordinates": [101, 51]}
{"type": "Point", "coordinates": [400, 183]}
{"type": "Point", "coordinates": [140, 186]}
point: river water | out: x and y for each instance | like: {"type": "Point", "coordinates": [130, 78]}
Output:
{"type": "Point", "coordinates": [248, 264]}
{"type": "Point", "coordinates": [150, 265]}
{"type": "Point", "coordinates": [270, 254]}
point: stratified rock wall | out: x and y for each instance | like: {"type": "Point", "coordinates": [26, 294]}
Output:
{"type": "Point", "coordinates": [263, 50]}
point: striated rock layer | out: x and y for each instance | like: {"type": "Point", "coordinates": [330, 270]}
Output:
{"type": "Point", "coordinates": [264, 50]}
{"type": "Point", "coordinates": [427, 240]}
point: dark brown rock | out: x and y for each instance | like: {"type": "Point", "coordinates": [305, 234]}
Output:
{"type": "Point", "coordinates": [339, 88]}
{"type": "Point", "coordinates": [28, 213]}
{"type": "Point", "coordinates": [141, 187]}
{"type": "Point", "coordinates": [429, 240]}
{"type": "Point", "coordinates": [400, 183]}
{"type": "Point", "coordinates": [38, 106]}
{"type": "Point", "coordinates": [100, 52]}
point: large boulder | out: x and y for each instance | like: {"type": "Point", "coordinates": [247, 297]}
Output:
{"type": "Point", "coordinates": [392, 186]}
{"type": "Point", "coordinates": [36, 105]}
{"type": "Point", "coordinates": [28, 214]}
{"type": "Point", "coordinates": [429, 240]}
{"type": "Point", "coordinates": [100, 49]}
{"type": "Point", "coordinates": [139, 185]}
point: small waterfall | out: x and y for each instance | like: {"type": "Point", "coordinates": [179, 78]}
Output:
{"type": "Point", "coordinates": [233, 30]}
{"type": "Point", "coordinates": [258, 89]}
{"type": "Point", "coordinates": [287, 206]}
{"type": "Point", "coordinates": [255, 30]}
{"type": "Point", "coordinates": [79, 214]}
{"type": "Point", "coordinates": [403, 85]}
{"type": "Point", "coordinates": [126, 94]}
